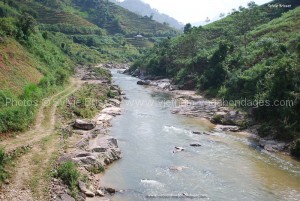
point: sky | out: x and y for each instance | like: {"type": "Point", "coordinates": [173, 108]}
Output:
{"type": "Point", "coordinates": [191, 11]}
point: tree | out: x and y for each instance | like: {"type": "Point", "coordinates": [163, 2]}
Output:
{"type": "Point", "coordinates": [187, 28]}
{"type": "Point", "coordinates": [26, 25]}
{"type": "Point", "coordinates": [247, 20]}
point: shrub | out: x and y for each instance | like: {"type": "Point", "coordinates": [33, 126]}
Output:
{"type": "Point", "coordinates": [68, 173]}
{"type": "Point", "coordinates": [8, 26]}
{"type": "Point", "coordinates": [217, 119]}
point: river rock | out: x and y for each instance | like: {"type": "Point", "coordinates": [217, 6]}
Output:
{"type": "Point", "coordinates": [195, 145]}
{"type": "Point", "coordinates": [83, 125]}
{"type": "Point", "coordinates": [100, 193]}
{"type": "Point", "coordinates": [197, 132]}
{"type": "Point", "coordinates": [82, 186]}
{"type": "Point", "coordinates": [83, 154]}
{"type": "Point", "coordinates": [114, 102]}
{"type": "Point", "coordinates": [110, 190]}
{"type": "Point", "coordinates": [66, 197]}
{"type": "Point", "coordinates": [179, 148]}
{"type": "Point", "coordinates": [114, 111]}
{"type": "Point", "coordinates": [89, 193]}
{"type": "Point", "coordinates": [143, 82]}
{"type": "Point", "coordinates": [89, 160]}
{"type": "Point", "coordinates": [99, 149]}
{"type": "Point", "coordinates": [228, 128]}
{"type": "Point", "coordinates": [272, 145]}
{"type": "Point", "coordinates": [104, 118]}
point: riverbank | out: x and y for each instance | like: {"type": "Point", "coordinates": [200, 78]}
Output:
{"type": "Point", "coordinates": [86, 141]}
{"type": "Point", "coordinates": [190, 103]}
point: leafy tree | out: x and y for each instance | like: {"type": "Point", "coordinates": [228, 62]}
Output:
{"type": "Point", "coordinates": [26, 25]}
{"type": "Point", "coordinates": [247, 19]}
{"type": "Point", "coordinates": [187, 28]}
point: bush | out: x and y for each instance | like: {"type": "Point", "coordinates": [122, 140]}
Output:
{"type": "Point", "coordinates": [8, 26]}
{"type": "Point", "coordinates": [69, 174]}
{"type": "Point", "coordinates": [217, 119]}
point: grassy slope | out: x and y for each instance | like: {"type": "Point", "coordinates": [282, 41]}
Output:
{"type": "Point", "coordinates": [17, 67]}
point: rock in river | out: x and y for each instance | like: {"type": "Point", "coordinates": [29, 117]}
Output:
{"type": "Point", "coordinates": [195, 145]}
{"type": "Point", "coordinates": [143, 82]}
{"type": "Point", "coordinates": [110, 190]}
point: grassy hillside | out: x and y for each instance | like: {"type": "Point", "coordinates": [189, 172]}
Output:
{"type": "Point", "coordinates": [40, 43]}
{"type": "Point", "coordinates": [18, 67]}
{"type": "Point", "coordinates": [252, 54]}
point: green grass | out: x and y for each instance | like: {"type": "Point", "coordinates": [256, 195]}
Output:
{"type": "Point", "coordinates": [69, 174]}
{"type": "Point", "coordinates": [85, 103]}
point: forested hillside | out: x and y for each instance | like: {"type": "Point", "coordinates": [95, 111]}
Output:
{"type": "Point", "coordinates": [253, 54]}
{"type": "Point", "coordinates": [41, 42]}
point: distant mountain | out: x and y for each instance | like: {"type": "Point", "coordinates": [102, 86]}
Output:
{"type": "Point", "coordinates": [144, 9]}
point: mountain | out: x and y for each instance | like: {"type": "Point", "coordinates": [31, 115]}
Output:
{"type": "Point", "coordinates": [252, 54]}
{"type": "Point", "coordinates": [144, 9]}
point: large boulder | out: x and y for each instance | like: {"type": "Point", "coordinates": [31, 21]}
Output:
{"type": "Point", "coordinates": [84, 125]}
{"type": "Point", "coordinates": [143, 82]}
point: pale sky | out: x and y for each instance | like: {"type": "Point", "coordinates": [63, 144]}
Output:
{"type": "Point", "coordinates": [197, 10]}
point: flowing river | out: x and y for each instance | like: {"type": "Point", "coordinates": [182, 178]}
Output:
{"type": "Point", "coordinates": [227, 166]}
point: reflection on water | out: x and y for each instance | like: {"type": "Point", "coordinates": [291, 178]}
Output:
{"type": "Point", "coordinates": [225, 167]}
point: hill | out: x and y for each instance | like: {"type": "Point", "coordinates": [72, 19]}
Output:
{"type": "Point", "coordinates": [144, 9]}
{"type": "Point", "coordinates": [252, 54]}
{"type": "Point", "coordinates": [114, 18]}
{"type": "Point", "coordinates": [40, 44]}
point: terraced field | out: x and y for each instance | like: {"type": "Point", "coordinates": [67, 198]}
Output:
{"type": "Point", "coordinates": [48, 15]}
{"type": "Point", "coordinates": [140, 43]}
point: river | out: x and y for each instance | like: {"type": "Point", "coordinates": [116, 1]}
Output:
{"type": "Point", "coordinates": [227, 166]}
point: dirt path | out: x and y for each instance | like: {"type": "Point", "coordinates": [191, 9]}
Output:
{"type": "Point", "coordinates": [32, 169]}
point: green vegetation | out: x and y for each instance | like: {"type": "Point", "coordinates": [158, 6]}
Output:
{"type": "Point", "coordinates": [69, 174]}
{"type": "Point", "coordinates": [6, 161]}
{"type": "Point", "coordinates": [41, 41]}
{"type": "Point", "coordinates": [252, 54]}
{"type": "Point", "coordinates": [85, 102]}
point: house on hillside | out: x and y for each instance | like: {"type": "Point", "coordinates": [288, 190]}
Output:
{"type": "Point", "coordinates": [139, 37]}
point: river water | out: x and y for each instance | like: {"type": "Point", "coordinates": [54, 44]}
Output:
{"type": "Point", "coordinates": [227, 166]}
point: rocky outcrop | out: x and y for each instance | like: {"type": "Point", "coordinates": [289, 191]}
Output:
{"type": "Point", "coordinates": [272, 145]}
{"type": "Point", "coordinates": [227, 128]}
{"type": "Point", "coordinates": [83, 124]}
